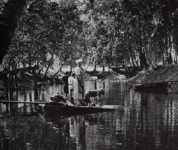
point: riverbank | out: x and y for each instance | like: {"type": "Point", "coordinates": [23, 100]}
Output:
{"type": "Point", "coordinates": [160, 74]}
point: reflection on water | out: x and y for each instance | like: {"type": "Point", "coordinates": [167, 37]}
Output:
{"type": "Point", "coordinates": [147, 122]}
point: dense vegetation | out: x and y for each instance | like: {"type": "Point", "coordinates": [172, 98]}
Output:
{"type": "Point", "coordinates": [137, 33]}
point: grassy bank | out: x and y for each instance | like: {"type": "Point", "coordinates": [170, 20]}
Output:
{"type": "Point", "coordinates": [159, 74]}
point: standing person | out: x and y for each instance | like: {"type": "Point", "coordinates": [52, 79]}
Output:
{"type": "Point", "coordinates": [71, 87]}
{"type": "Point", "coordinates": [80, 77]}
{"type": "Point", "coordinates": [65, 81]}
{"type": "Point", "coordinates": [76, 91]}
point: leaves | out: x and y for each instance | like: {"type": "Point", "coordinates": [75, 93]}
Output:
{"type": "Point", "coordinates": [123, 31]}
{"type": "Point", "coordinates": [45, 28]}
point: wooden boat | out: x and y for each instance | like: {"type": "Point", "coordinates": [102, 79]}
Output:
{"type": "Point", "coordinates": [65, 108]}
{"type": "Point", "coordinates": [69, 110]}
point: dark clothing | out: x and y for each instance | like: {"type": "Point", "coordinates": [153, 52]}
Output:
{"type": "Point", "coordinates": [65, 80]}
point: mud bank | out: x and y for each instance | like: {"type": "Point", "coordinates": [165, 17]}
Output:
{"type": "Point", "coordinates": [160, 74]}
{"type": "Point", "coordinates": [163, 79]}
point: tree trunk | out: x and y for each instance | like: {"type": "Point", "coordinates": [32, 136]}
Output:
{"type": "Point", "coordinates": [8, 23]}
{"type": "Point", "coordinates": [45, 74]}
{"type": "Point", "coordinates": [103, 69]}
{"type": "Point", "coordinates": [142, 54]}
{"type": "Point", "coordinates": [95, 67]}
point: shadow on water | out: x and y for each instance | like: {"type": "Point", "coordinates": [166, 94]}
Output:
{"type": "Point", "coordinates": [147, 122]}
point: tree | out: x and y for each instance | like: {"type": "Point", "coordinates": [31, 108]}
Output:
{"type": "Point", "coordinates": [8, 22]}
{"type": "Point", "coordinates": [45, 31]}
{"type": "Point", "coordinates": [137, 33]}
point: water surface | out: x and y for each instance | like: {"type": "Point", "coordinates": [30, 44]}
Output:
{"type": "Point", "coordinates": [147, 122]}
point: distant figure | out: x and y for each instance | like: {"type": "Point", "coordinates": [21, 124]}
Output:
{"type": "Point", "coordinates": [65, 81]}
{"type": "Point", "coordinates": [71, 86]}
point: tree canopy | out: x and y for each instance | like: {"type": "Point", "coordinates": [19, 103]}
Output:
{"type": "Point", "coordinates": [117, 32]}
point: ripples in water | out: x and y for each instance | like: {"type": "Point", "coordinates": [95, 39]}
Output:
{"type": "Point", "coordinates": [147, 122]}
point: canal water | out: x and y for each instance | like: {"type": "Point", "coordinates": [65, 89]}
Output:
{"type": "Point", "coordinates": [146, 122]}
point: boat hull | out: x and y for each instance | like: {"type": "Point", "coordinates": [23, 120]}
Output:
{"type": "Point", "coordinates": [66, 110]}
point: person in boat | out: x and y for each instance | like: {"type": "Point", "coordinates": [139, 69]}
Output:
{"type": "Point", "coordinates": [79, 72]}
{"type": "Point", "coordinates": [71, 86]}
{"type": "Point", "coordinates": [73, 89]}
{"type": "Point", "coordinates": [91, 96]}
{"type": "Point", "coordinates": [76, 91]}
{"type": "Point", "coordinates": [65, 81]}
